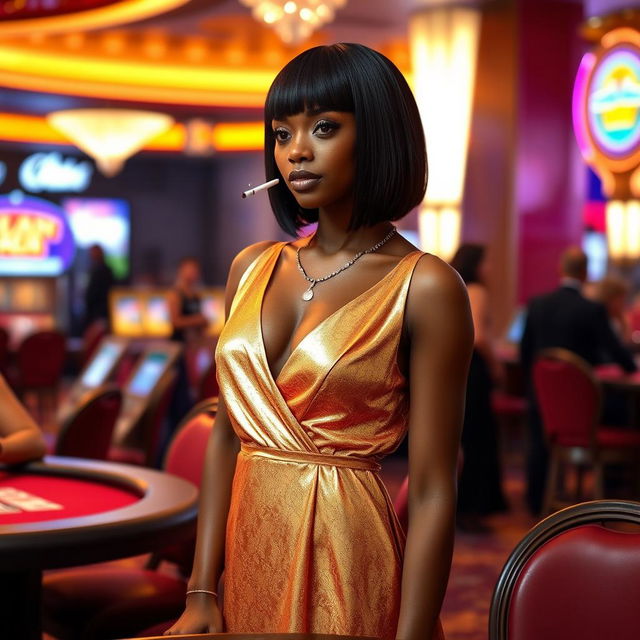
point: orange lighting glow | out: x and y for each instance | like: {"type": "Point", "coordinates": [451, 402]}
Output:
{"type": "Point", "coordinates": [64, 72]}
{"type": "Point", "coordinates": [122, 12]}
{"type": "Point", "coordinates": [236, 136]}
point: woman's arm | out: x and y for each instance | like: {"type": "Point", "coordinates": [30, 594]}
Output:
{"type": "Point", "coordinates": [202, 614]}
{"type": "Point", "coordinates": [440, 330]}
{"type": "Point", "coordinates": [20, 437]}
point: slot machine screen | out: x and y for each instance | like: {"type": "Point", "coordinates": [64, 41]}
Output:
{"type": "Point", "coordinates": [101, 365]}
{"type": "Point", "coordinates": [157, 322]}
{"type": "Point", "coordinates": [148, 373]}
{"type": "Point", "coordinates": [127, 314]}
{"type": "Point", "coordinates": [102, 221]}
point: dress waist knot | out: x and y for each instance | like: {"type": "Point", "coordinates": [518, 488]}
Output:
{"type": "Point", "coordinates": [307, 457]}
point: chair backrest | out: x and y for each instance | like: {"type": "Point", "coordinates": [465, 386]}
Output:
{"type": "Point", "coordinates": [40, 359]}
{"type": "Point", "coordinates": [401, 504]}
{"type": "Point", "coordinates": [208, 387]}
{"type": "Point", "coordinates": [87, 431]}
{"type": "Point", "coordinates": [185, 454]}
{"type": "Point", "coordinates": [572, 577]}
{"type": "Point", "coordinates": [185, 457]}
{"type": "Point", "coordinates": [4, 349]}
{"type": "Point", "coordinates": [568, 396]}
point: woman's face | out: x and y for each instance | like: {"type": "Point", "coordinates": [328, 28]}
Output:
{"type": "Point", "coordinates": [189, 273]}
{"type": "Point", "coordinates": [315, 153]}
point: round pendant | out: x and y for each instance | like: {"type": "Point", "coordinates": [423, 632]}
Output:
{"type": "Point", "coordinates": [307, 295]}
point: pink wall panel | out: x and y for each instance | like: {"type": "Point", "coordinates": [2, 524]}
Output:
{"type": "Point", "coordinates": [550, 174]}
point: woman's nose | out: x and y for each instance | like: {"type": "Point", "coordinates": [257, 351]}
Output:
{"type": "Point", "coordinates": [300, 150]}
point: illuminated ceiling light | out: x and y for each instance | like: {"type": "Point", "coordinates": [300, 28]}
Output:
{"type": "Point", "coordinates": [293, 21]}
{"type": "Point", "coordinates": [109, 136]}
{"type": "Point", "coordinates": [623, 229]}
{"type": "Point", "coordinates": [444, 44]}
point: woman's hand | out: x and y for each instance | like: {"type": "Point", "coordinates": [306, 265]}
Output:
{"type": "Point", "coordinates": [202, 615]}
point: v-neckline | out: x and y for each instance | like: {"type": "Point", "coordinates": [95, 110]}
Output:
{"type": "Point", "coordinates": [263, 350]}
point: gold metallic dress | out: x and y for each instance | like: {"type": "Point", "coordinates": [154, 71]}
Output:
{"type": "Point", "coordinates": [313, 544]}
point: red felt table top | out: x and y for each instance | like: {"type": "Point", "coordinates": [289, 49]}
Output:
{"type": "Point", "coordinates": [77, 497]}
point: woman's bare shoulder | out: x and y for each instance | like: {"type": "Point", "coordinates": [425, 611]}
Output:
{"type": "Point", "coordinates": [246, 256]}
{"type": "Point", "coordinates": [241, 262]}
{"type": "Point", "coordinates": [435, 287]}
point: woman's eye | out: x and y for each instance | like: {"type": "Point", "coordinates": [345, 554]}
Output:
{"type": "Point", "coordinates": [281, 135]}
{"type": "Point", "coordinates": [325, 127]}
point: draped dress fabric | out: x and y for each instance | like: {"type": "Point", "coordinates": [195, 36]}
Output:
{"type": "Point", "coordinates": [312, 542]}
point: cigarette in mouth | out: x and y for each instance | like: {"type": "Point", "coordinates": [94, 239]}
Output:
{"type": "Point", "coordinates": [260, 187]}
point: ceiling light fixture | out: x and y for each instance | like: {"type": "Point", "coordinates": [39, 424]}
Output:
{"type": "Point", "coordinates": [294, 20]}
{"type": "Point", "coordinates": [110, 136]}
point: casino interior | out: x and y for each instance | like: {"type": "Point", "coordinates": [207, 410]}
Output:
{"type": "Point", "coordinates": [129, 130]}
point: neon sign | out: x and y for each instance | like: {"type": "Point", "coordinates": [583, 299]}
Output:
{"type": "Point", "coordinates": [52, 172]}
{"type": "Point", "coordinates": [614, 102]}
{"type": "Point", "coordinates": [606, 111]}
{"type": "Point", "coordinates": [35, 238]}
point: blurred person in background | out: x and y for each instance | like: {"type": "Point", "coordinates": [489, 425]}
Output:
{"type": "Point", "coordinates": [20, 437]}
{"type": "Point", "coordinates": [633, 319]}
{"type": "Point", "coordinates": [185, 305]}
{"type": "Point", "coordinates": [612, 292]}
{"type": "Point", "coordinates": [564, 318]}
{"type": "Point", "coordinates": [480, 485]}
{"type": "Point", "coordinates": [101, 279]}
{"type": "Point", "coordinates": [189, 327]}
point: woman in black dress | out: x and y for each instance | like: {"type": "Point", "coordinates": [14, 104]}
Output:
{"type": "Point", "coordinates": [480, 484]}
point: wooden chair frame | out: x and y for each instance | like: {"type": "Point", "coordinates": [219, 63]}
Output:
{"type": "Point", "coordinates": [595, 512]}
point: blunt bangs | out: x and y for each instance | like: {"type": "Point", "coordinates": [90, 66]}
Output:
{"type": "Point", "coordinates": [318, 81]}
{"type": "Point", "coordinates": [391, 159]}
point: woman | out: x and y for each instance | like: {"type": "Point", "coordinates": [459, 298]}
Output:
{"type": "Point", "coordinates": [189, 325]}
{"type": "Point", "coordinates": [326, 338]}
{"type": "Point", "coordinates": [480, 485]}
{"type": "Point", "coordinates": [185, 306]}
{"type": "Point", "coordinates": [20, 437]}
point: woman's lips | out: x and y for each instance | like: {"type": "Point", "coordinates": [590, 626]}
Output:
{"type": "Point", "coordinates": [301, 181]}
{"type": "Point", "coordinates": [304, 184]}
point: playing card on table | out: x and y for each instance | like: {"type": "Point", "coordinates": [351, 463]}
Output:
{"type": "Point", "coordinates": [26, 501]}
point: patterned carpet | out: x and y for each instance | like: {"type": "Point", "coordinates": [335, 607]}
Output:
{"type": "Point", "coordinates": [478, 557]}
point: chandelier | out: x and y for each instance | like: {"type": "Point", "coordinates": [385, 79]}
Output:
{"type": "Point", "coordinates": [294, 20]}
{"type": "Point", "coordinates": [109, 136]}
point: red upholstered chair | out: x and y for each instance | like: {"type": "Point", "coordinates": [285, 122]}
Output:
{"type": "Point", "coordinates": [39, 363]}
{"type": "Point", "coordinates": [208, 387]}
{"type": "Point", "coordinates": [87, 431]}
{"type": "Point", "coordinates": [401, 504]}
{"type": "Point", "coordinates": [4, 351]}
{"type": "Point", "coordinates": [143, 445]}
{"type": "Point", "coordinates": [573, 578]}
{"type": "Point", "coordinates": [111, 601]}
{"type": "Point", "coordinates": [569, 399]}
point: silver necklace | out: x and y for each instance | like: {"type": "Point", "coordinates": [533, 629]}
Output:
{"type": "Point", "coordinates": [308, 294]}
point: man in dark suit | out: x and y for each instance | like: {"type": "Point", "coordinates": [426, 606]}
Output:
{"type": "Point", "coordinates": [563, 318]}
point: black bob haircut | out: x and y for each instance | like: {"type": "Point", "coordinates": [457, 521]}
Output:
{"type": "Point", "coordinates": [391, 157]}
